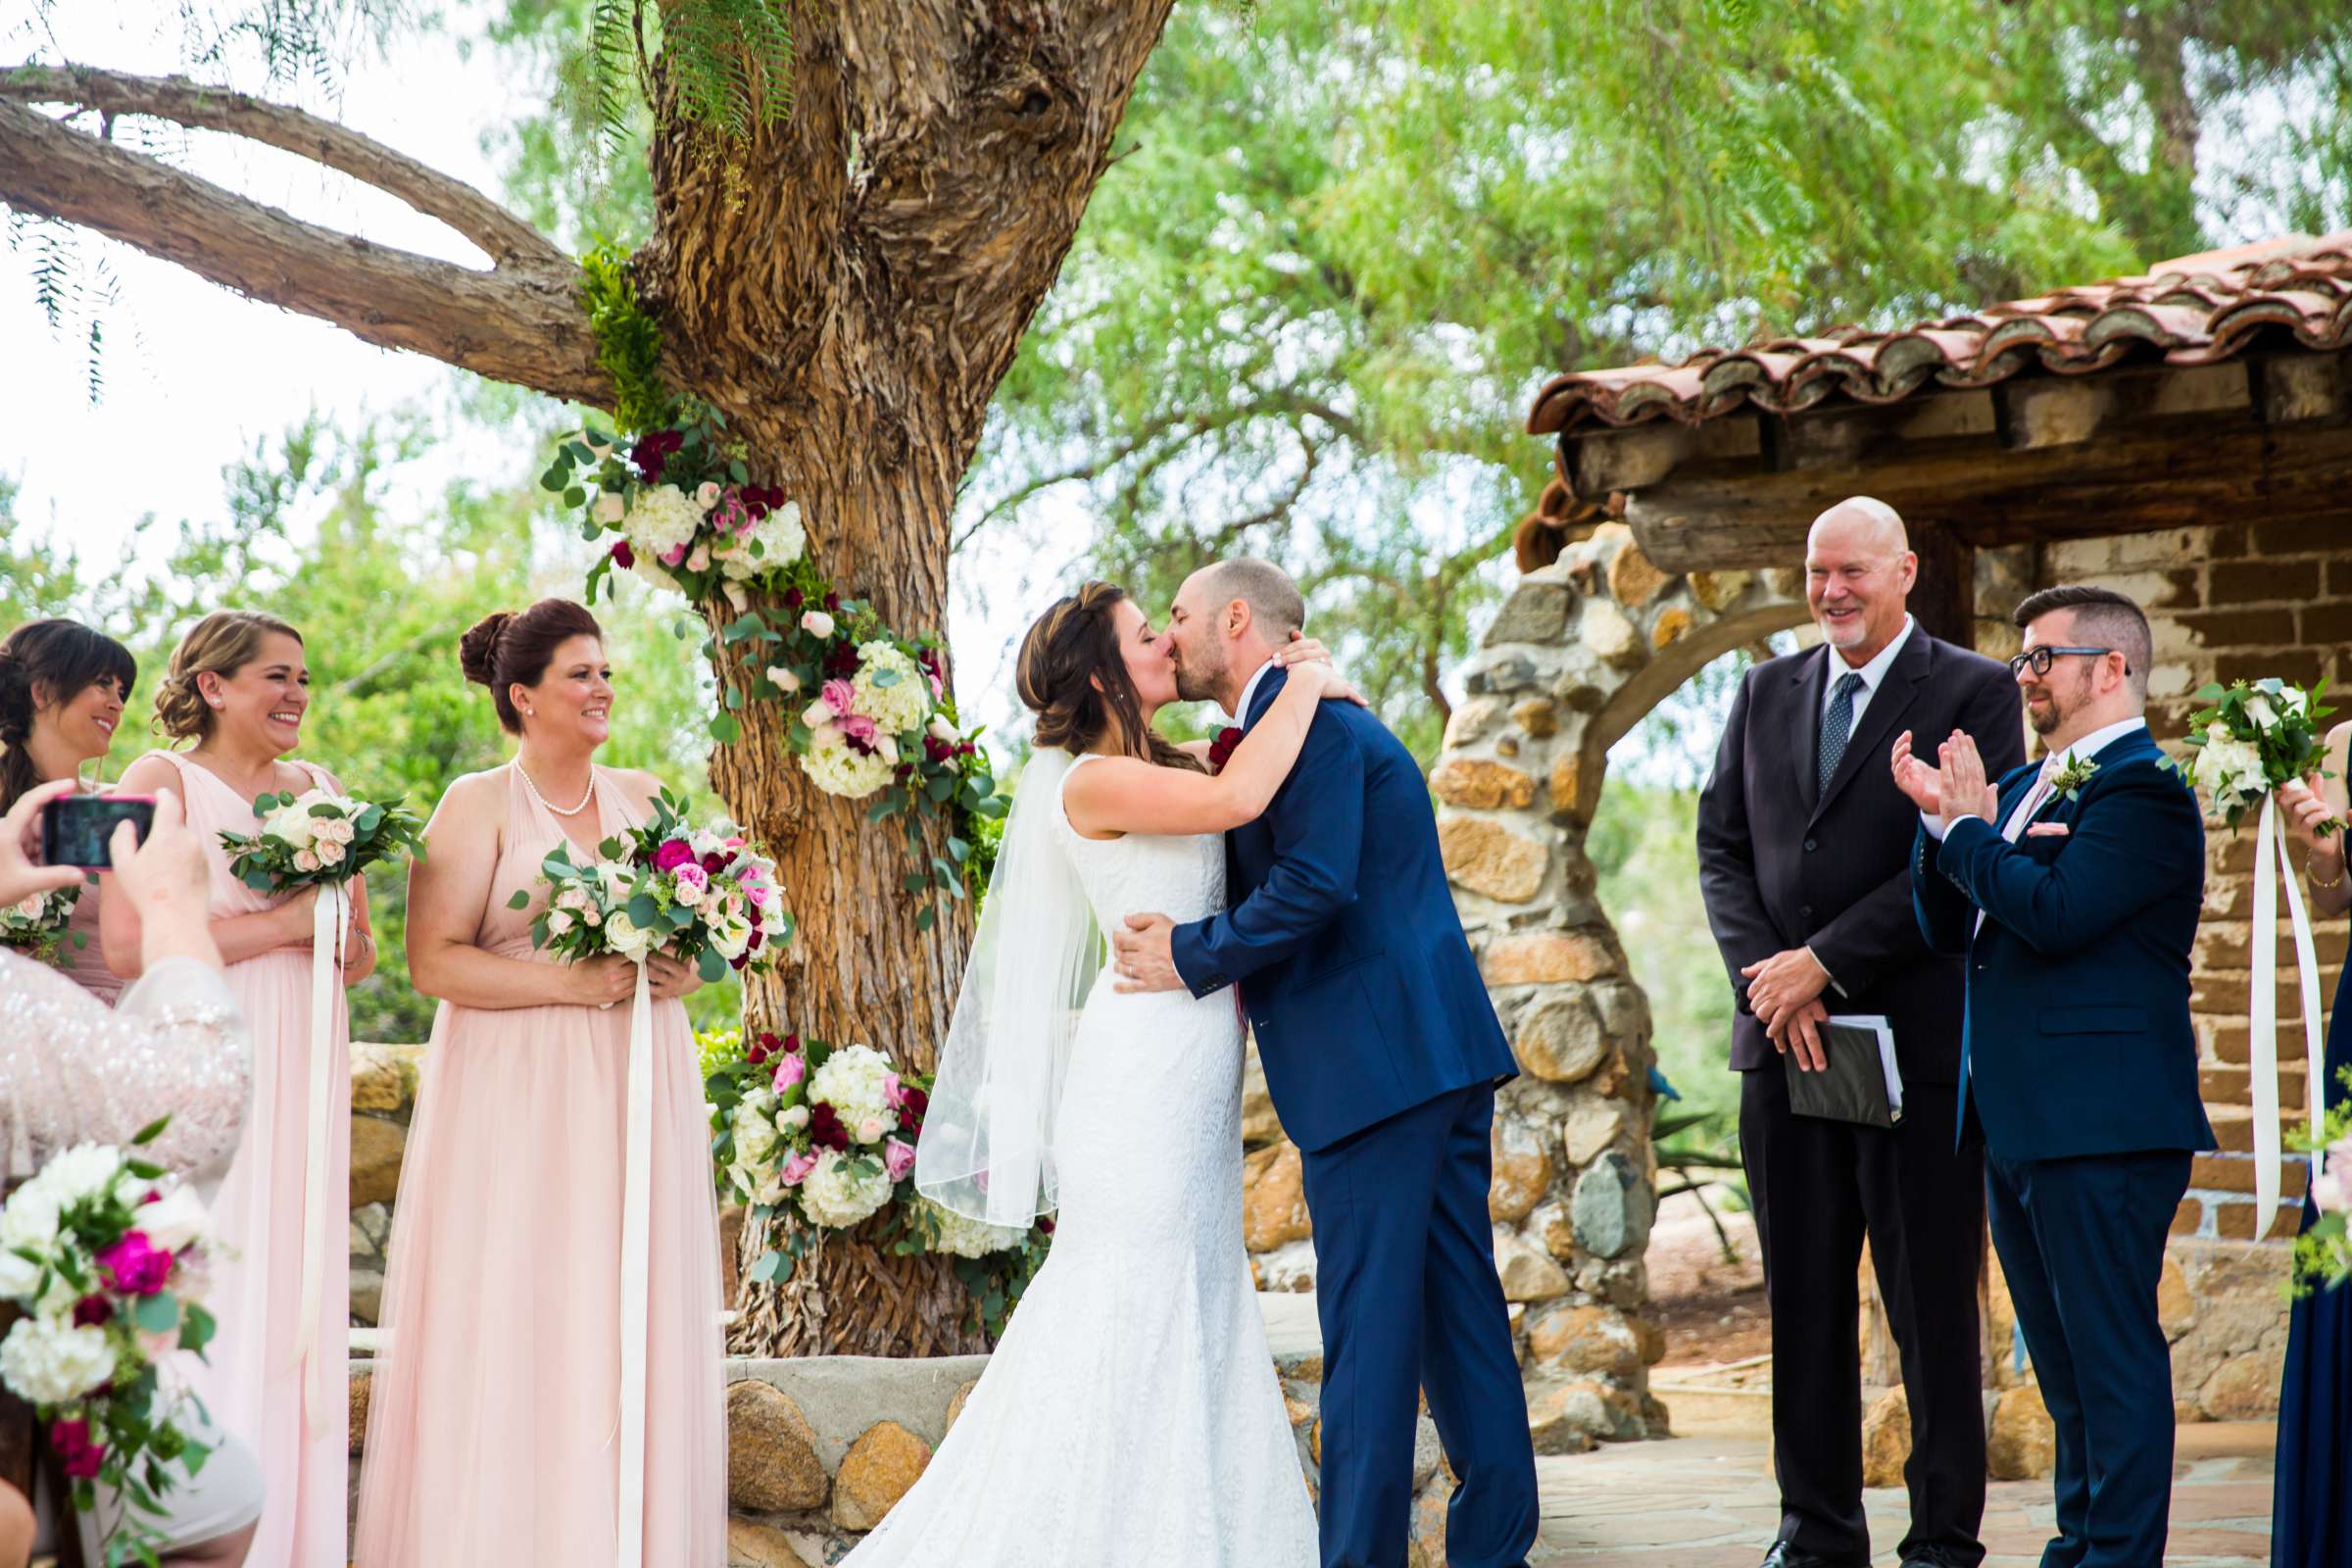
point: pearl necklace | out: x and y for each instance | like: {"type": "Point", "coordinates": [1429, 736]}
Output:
{"type": "Point", "coordinates": [552, 806]}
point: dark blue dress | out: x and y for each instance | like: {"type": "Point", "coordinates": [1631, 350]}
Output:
{"type": "Point", "coordinates": [2311, 1507]}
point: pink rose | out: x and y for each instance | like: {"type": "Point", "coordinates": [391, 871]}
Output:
{"type": "Point", "coordinates": [870, 1130]}
{"type": "Point", "coordinates": [791, 1069]}
{"type": "Point", "coordinates": [2331, 1188]}
{"type": "Point", "coordinates": [305, 861]}
{"type": "Point", "coordinates": [890, 1091]}
{"type": "Point", "coordinates": [897, 1159]}
{"type": "Point", "coordinates": [796, 1169]}
{"type": "Point", "coordinates": [673, 555]}
{"type": "Point", "coordinates": [838, 695]}
{"type": "Point", "coordinates": [673, 854]}
{"type": "Point", "coordinates": [862, 732]}
{"type": "Point", "coordinates": [694, 876]}
{"type": "Point", "coordinates": [135, 1265]}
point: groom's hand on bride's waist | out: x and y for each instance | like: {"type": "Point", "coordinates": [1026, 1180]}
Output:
{"type": "Point", "coordinates": [1141, 954]}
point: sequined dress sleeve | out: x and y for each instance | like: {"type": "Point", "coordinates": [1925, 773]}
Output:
{"type": "Point", "coordinates": [73, 1071]}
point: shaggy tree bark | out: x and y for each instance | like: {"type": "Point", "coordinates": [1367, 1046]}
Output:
{"type": "Point", "coordinates": [847, 287]}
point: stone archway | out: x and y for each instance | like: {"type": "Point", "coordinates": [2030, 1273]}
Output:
{"type": "Point", "coordinates": [1581, 650]}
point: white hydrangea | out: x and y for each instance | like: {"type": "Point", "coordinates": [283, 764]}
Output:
{"type": "Point", "coordinates": [18, 1278]}
{"type": "Point", "coordinates": [852, 1081]}
{"type": "Point", "coordinates": [755, 1127]}
{"type": "Point", "coordinates": [838, 769]}
{"type": "Point", "coordinates": [663, 520]}
{"type": "Point", "coordinates": [2232, 769]}
{"type": "Point", "coordinates": [49, 1362]}
{"type": "Point", "coordinates": [837, 1196]}
{"type": "Point", "coordinates": [781, 540]}
{"type": "Point", "coordinates": [86, 1170]}
{"type": "Point", "coordinates": [961, 1236]}
{"type": "Point", "coordinates": [30, 1218]}
{"type": "Point", "coordinates": [895, 706]}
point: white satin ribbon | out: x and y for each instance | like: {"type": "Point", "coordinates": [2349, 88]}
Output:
{"type": "Point", "coordinates": [635, 1269]}
{"type": "Point", "coordinates": [328, 916]}
{"type": "Point", "coordinates": [2272, 868]}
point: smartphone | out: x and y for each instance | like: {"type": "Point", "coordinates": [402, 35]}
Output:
{"type": "Point", "coordinates": [76, 829]}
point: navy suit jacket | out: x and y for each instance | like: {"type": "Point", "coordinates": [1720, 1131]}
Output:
{"type": "Point", "coordinates": [1343, 935]}
{"type": "Point", "coordinates": [2077, 1033]}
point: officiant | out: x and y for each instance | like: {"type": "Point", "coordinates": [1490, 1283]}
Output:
{"type": "Point", "coordinates": [1804, 848]}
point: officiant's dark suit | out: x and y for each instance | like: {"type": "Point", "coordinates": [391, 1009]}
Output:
{"type": "Point", "coordinates": [1805, 841]}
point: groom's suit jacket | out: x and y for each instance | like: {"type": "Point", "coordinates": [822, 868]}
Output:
{"type": "Point", "coordinates": [2078, 1036]}
{"type": "Point", "coordinates": [1785, 863]}
{"type": "Point", "coordinates": [1342, 933]}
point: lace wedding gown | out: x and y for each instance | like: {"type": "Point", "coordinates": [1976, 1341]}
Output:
{"type": "Point", "coordinates": [1131, 1417]}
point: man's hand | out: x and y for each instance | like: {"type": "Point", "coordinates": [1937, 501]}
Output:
{"type": "Point", "coordinates": [1800, 1029]}
{"type": "Point", "coordinates": [1783, 983]}
{"type": "Point", "coordinates": [1141, 956]}
{"type": "Point", "coordinates": [1965, 790]}
{"type": "Point", "coordinates": [1920, 781]}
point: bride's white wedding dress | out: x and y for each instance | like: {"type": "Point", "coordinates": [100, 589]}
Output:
{"type": "Point", "coordinates": [1131, 1416]}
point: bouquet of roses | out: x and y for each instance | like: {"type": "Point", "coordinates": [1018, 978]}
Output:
{"type": "Point", "coordinates": [682, 502]}
{"type": "Point", "coordinates": [105, 1255]}
{"type": "Point", "coordinates": [702, 894]}
{"type": "Point", "coordinates": [317, 839]}
{"type": "Point", "coordinates": [2253, 739]}
{"type": "Point", "coordinates": [36, 926]}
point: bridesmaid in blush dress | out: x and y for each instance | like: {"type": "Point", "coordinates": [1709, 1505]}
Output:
{"type": "Point", "coordinates": [240, 687]}
{"type": "Point", "coordinates": [62, 691]}
{"type": "Point", "coordinates": [493, 1430]}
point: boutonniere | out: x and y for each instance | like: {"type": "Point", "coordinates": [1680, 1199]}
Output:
{"type": "Point", "coordinates": [2070, 779]}
{"type": "Point", "coordinates": [1221, 747]}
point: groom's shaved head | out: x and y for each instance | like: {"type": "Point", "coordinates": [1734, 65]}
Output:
{"type": "Point", "coordinates": [1274, 601]}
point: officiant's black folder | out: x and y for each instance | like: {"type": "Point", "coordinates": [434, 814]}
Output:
{"type": "Point", "coordinates": [1852, 1088]}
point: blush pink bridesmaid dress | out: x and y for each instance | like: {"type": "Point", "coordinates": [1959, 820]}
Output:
{"type": "Point", "coordinates": [493, 1423]}
{"type": "Point", "coordinates": [253, 1380]}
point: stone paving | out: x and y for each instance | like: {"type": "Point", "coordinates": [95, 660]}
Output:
{"type": "Point", "coordinates": [1709, 1503]}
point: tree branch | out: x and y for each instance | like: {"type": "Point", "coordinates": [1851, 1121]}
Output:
{"type": "Point", "coordinates": [521, 322]}
{"type": "Point", "coordinates": [504, 238]}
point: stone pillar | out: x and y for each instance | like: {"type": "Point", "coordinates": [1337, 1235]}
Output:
{"type": "Point", "coordinates": [1580, 651]}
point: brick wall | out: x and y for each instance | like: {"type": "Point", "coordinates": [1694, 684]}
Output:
{"type": "Point", "coordinates": [2230, 602]}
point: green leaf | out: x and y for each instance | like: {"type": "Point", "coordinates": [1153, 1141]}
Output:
{"type": "Point", "coordinates": [158, 1313]}
{"type": "Point", "coordinates": [711, 967]}
{"type": "Point", "coordinates": [746, 625]}
{"type": "Point", "coordinates": [575, 496]}
{"type": "Point", "coordinates": [738, 473]}
{"type": "Point", "coordinates": [725, 728]}
{"type": "Point", "coordinates": [520, 900]}
{"type": "Point", "coordinates": [925, 918]}
{"type": "Point", "coordinates": [643, 911]}
{"type": "Point", "coordinates": [770, 1269]}
{"type": "Point", "coordinates": [151, 1132]}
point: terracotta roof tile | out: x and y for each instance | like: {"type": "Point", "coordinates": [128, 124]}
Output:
{"type": "Point", "coordinates": [2194, 310]}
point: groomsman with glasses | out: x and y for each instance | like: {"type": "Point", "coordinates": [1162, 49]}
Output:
{"type": "Point", "coordinates": [1804, 850]}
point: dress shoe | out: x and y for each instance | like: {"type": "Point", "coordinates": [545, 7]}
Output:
{"type": "Point", "coordinates": [1785, 1555]}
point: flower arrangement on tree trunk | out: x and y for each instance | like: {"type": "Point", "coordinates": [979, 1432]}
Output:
{"type": "Point", "coordinates": [827, 1134]}
{"type": "Point", "coordinates": [874, 718]}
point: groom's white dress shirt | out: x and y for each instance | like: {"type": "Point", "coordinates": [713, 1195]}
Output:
{"type": "Point", "coordinates": [1240, 710]}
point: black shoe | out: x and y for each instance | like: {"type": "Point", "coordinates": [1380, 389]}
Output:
{"type": "Point", "coordinates": [1939, 1557]}
{"type": "Point", "coordinates": [1785, 1555]}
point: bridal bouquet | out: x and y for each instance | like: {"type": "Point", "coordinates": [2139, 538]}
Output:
{"type": "Point", "coordinates": [2252, 740]}
{"type": "Point", "coordinates": [105, 1255]}
{"type": "Point", "coordinates": [703, 895]}
{"type": "Point", "coordinates": [36, 926]}
{"type": "Point", "coordinates": [318, 838]}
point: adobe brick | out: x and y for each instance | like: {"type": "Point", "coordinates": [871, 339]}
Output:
{"type": "Point", "coordinates": [2188, 1216]}
{"type": "Point", "coordinates": [2236, 628]}
{"type": "Point", "coordinates": [2328, 623]}
{"type": "Point", "coordinates": [2228, 1174]}
{"type": "Point", "coordinates": [2300, 666]}
{"type": "Point", "coordinates": [2256, 582]}
{"type": "Point", "coordinates": [2302, 536]}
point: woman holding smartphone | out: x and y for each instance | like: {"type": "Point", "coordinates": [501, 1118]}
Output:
{"type": "Point", "coordinates": [62, 691]}
{"type": "Point", "coordinates": [494, 1423]}
{"type": "Point", "coordinates": [239, 688]}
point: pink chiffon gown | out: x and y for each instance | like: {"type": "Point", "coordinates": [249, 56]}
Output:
{"type": "Point", "coordinates": [253, 1380]}
{"type": "Point", "coordinates": [493, 1424]}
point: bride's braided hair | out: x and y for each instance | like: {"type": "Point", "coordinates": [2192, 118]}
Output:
{"type": "Point", "coordinates": [1072, 675]}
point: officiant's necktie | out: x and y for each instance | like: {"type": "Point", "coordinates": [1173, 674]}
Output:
{"type": "Point", "coordinates": [1838, 727]}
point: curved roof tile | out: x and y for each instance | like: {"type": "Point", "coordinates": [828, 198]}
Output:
{"type": "Point", "coordinates": [2195, 309]}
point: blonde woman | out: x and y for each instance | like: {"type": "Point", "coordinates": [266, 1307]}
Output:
{"type": "Point", "coordinates": [237, 693]}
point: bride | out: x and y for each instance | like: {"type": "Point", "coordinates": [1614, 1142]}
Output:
{"type": "Point", "coordinates": [1131, 1415]}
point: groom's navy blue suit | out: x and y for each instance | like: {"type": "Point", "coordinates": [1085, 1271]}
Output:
{"type": "Point", "coordinates": [1382, 1054]}
{"type": "Point", "coordinates": [2079, 1064]}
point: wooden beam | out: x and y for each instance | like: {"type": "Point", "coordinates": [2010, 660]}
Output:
{"type": "Point", "coordinates": [2295, 389]}
{"type": "Point", "coordinates": [2059, 412]}
{"type": "Point", "coordinates": [1598, 462]}
{"type": "Point", "coordinates": [1944, 599]}
{"type": "Point", "coordinates": [2175, 473]}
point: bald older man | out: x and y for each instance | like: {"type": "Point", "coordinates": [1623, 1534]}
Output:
{"type": "Point", "coordinates": [1804, 850]}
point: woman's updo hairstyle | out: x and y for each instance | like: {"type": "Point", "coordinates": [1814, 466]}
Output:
{"type": "Point", "coordinates": [507, 648]}
{"type": "Point", "coordinates": [221, 643]}
{"type": "Point", "coordinates": [1073, 677]}
{"type": "Point", "coordinates": [49, 661]}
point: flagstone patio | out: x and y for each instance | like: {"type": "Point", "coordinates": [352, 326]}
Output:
{"type": "Point", "coordinates": [1708, 1501]}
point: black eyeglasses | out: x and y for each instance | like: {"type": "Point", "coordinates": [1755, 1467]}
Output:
{"type": "Point", "coordinates": [2041, 659]}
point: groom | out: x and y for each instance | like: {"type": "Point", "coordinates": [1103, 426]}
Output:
{"type": "Point", "coordinates": [1382, 1054]}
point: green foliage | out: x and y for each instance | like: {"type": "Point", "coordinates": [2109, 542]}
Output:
{"type": "Point", "coordinates": [729, 61]}
{"type": "Point", "coordinates": [628, 341]}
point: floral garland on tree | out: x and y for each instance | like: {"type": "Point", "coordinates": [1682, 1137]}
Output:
{"type": "Point", "coordinates": [878, 721]}
{"type": "Point", "coordinates": [827, 1135]}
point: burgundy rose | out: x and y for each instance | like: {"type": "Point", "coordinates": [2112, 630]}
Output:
{"type": "Point", "coordinates": [92, 1311]}
{"type": "Point", "coordinates": [752, 945]}
{"type": "Point", "coordinates": [937, 752]}
{"type": "Point", "coordinates": [1046, 1224]}
{"type": "Point", "coordinates": [762, 1048]}
{"type": "Point", "coordinates": [713, 863]}
{"type": "Point", "coordinates": [833, 604]}
{"type": "Point", "coordinates": [842, 660]}
{"type": "Point", "coordinates": [673, 854]}
{"type": "Point", "coordinates": [1221, 748]}
{"type": "Point", "coordinates": [79, 1458]}
{"type": "Point", "coordinates": [794, 599]}
{"type": "Point", "coordinates": [623, 557]}
{"type": "Point", "coordinates": [653, 451]}
{"type": "Point", "coordinates": [826, 1129]}
{"type": "Point", "coordinates": [902, 772]}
